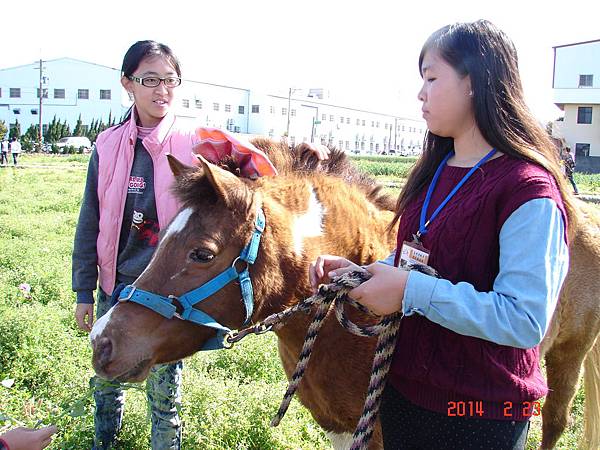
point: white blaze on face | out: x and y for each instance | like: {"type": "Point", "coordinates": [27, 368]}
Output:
{"type": "Point", "coordinates": [341, 441]}
{"type": "Point", "coordinates": [100, 325]}
{"type": "Point", "coordinates": [178, 223]}
{"type": "Point", "coordinates": [309, 224]}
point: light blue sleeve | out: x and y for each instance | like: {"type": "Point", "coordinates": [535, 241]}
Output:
{"type": "Point", "coordinates": [534, 260]}
{"type": "Point", "coordinates": [389, 261]}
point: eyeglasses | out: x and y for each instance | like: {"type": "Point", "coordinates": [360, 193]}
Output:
{"type": "Point", "coordinates": [169, 82]}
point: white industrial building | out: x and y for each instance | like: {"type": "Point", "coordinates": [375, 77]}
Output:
{"type": "Point", "coordinates": [72, 88]}
{"type": "Point", "coordinates": [576, 85]}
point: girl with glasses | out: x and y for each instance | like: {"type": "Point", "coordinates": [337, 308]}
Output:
{"type": "Point", "coordinates": [126, 203]}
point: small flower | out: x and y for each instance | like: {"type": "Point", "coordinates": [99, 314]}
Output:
{"type": "Point", "coordinates": [25, 288]}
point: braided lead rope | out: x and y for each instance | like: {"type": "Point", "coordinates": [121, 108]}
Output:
{"type": "Point", "coordinates": [323, 299]}
{"type": "Point", "coordinates": [386, 329]}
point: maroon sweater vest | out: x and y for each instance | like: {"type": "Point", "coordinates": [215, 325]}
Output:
{"type": "Point", "coordinates": [434, 366]}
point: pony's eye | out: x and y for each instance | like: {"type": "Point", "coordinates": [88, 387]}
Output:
{"type": "Point", "coordinates": [201, 256]}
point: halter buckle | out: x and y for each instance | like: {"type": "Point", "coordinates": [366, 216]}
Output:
{"type": "Point", "coordinates": [239, 259]}
{"type": "Point", "coordinates": [126, 299]}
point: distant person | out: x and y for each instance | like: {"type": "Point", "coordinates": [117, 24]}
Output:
{"type": "Point", "coordinates": [4, 152]}
{"type": "Point", "coordinates": [569, 165]}
{"type": "Point", "coordinates": [15, 149]}
{"type": "Point", "coordinates": [27, 438]}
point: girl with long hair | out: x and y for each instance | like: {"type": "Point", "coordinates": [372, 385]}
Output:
{"type": "Point", "coordinates": [487, 207]}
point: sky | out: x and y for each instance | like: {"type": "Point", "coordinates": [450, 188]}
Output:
{"type": "Point", "coordinates": [365, 53]}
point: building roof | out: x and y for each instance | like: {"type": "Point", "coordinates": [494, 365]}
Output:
{"type": "Point", "coordinates": [60, 59]}
{"type": "Point", "coordinates": [577, 43]}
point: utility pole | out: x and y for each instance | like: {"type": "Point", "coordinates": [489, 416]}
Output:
{"type": "Point", "coordinates": [287, 130]}
{"type": "Point", "coordinates": [41, 102]}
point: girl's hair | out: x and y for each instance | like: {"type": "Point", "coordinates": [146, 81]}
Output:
{"type": "Point", "coordinates": [484, 53]}
{"type": "Point", "coordinates": [142, 50]}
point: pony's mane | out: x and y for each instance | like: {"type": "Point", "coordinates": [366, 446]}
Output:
{"type": "Point", "coordinates": [301, 159]}
{"type": "Point", "coordinates": [298, 160]}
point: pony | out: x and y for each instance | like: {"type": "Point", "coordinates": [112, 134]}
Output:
{"type": "Point", "coordinates": [314, 208]}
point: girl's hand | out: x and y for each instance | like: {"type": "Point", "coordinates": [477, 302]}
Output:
{"type": "Point", "coordinates": [320, 151]}
{"type": "Point", "coordinates": [28, 439]}
{"type": "Point", "coordinates": [383, 293]}
{"type": "Point", "coordinates": [327, 266]}
{"type": "Point", "coordinates": [84, 315]}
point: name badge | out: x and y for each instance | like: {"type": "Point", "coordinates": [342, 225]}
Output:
{"type": "Point", "coordinates": [413, 253]}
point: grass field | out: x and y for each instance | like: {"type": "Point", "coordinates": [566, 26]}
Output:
{"type": "Point", "coordinates": [228, 396]}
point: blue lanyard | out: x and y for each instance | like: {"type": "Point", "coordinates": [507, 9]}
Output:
{"type": "Point", "coordinates": [423, 224]}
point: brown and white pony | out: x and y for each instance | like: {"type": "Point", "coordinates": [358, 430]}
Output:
{"type": "Point", "coordinates": [310, 212]}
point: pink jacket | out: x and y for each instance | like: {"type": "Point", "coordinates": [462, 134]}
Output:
{"type": "Point", "coordinates": [115, 148]}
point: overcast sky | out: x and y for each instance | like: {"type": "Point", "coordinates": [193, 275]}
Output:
{"type": "Point", "coordinates": [365, 53]}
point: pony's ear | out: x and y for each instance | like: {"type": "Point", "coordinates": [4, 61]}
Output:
{"type": "Point", "coordinates": [227, 186]}
{"type": "Point", "coordinates": [177, 167]}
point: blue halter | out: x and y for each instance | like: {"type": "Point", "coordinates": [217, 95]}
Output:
{"type": "Point", "coordinates": [165, 307]}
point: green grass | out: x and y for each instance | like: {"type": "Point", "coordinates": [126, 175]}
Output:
{"type": "Point", "coordinates": [228, 396]}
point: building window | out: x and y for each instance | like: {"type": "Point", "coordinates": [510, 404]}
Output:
{"type": "Point", "coordinates": [341, 120]}
{"type": "Point", "coordinates": [15, 93]}
{"type": "Point", "coordinates": [17, 111]}
{"type": "Point", "coordinates": [227, 108]}
{"type": "Point", "coordinates": [215, 106]}
{"type": "Point", "coordinates": [34, 112]}
{"type": "Point", "coordinates": [582, 150]}
{"type": "Point", "coordinates": [331, 118]}
{"type": "Point", "coordinates": [341, 145]}
{"type": "Point", "coordinates": [284, 111]}
{"type": "Point", "coordinates": [45, 93]}
{"type": "Point", "coordinates": [44, 128]}
{"type": "Point", "coordinates": [357, 121]}
{"type": "Point", "coordinates": [347, 145]}
{"type": "Point", "coordinates": [198, 104]}
{"type": "Point", "coordinates": [272, 109]}
{"type": "Point", "coordinates": [293, 112]}
{"type": "Point", "coordinates": [586, 80]}
{"type": "Point", "coordinates": [584, 114]}
{"type": "Point", "coordinates": [0, 92]}
{"type": "Point", "coordinates": [372, 123]}
{"type": "Point", "coordinates": [377, 125]}
{"type": "Point", "coordinates": [83, 94]}
{"type": "Point", "coordinates": [385, 126]}
{"type": "Point", "coordinates": [59, 93]}
{"type": "Point", "coordinates": [323, 117]}
{"type": "Point", "coordinates": [348, 120]}
{"type": "Point", "coordinates": [241, 109]}
{"type": "Point", "coordinates": [104, 94]}
{"type": "Point", "coordinates": [255, 109]}
{"type": "Point", "coordinates": [185, 103]}
{"type": "Point", "coordinates": [363, 124]}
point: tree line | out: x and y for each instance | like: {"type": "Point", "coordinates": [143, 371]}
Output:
{"type": "Point", "coordinates": [55, 131]}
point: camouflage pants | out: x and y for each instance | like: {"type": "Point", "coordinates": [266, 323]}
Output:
{"type": "Point", "coordinates": [163, 389]}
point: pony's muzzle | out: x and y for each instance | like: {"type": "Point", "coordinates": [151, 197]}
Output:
{"type": "Point", "coordinates": [103, 350]}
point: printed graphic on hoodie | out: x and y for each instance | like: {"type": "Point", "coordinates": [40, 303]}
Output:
{"type": "Point", "coordinates": [145, 230]}
{"type": "Point", "coordinates": [137, 185]}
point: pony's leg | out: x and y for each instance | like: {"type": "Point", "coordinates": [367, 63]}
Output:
{"type": "Point", "coordinates": [563, 365]}
{"type": "Point", "coordinates": [591, 378]}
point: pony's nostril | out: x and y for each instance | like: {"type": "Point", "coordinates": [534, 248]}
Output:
{"type": "Point", "coordinates": [103, 350]}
